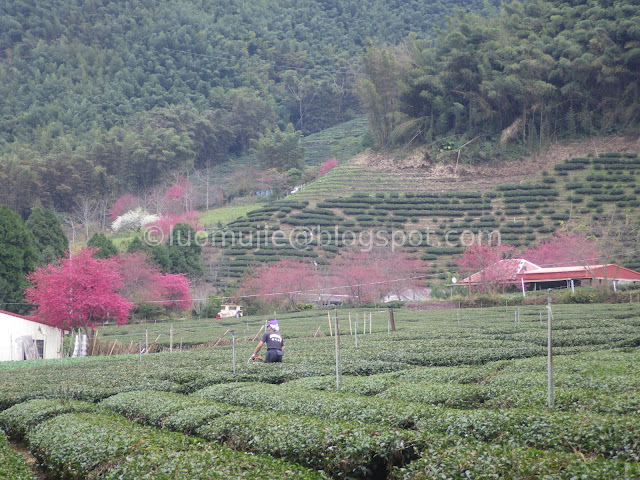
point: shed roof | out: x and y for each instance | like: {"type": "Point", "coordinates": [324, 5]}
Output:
{"type": "Point", "coordinates": [520, 269]}
{"type": "Point", "coordinates": [508, 268]}
{"type": "Point", "coordinates": [30, 319]}
{"type": "Point", "coordinates": [609, 271]}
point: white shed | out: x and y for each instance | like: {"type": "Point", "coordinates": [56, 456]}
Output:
{"type": "Point", "coordinates": [23, 338]}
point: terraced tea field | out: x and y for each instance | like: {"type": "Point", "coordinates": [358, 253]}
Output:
{"type": "Point", "coordinates": [435, 223]}
{"type": "Point", "coordinates": [449, 394]}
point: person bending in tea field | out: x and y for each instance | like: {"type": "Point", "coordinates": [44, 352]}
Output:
{"type": "Point", "coordinates": [275, 343]}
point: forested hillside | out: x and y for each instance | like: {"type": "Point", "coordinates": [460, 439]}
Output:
{"type": "Point", "coordinates": [105, 96]}
{"type": "Point", "coordinates": [537, 72]}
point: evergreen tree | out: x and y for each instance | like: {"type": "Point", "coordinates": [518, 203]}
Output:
{"type": "Point", "coordinates": [184, 250]}
{"type": "Point", "coordinates": [105, 246]}
{"type": "Point", "coordinates": [18, 256]}
{"type": "Point", "coordinates": [136, 245]}
{"type": "Point", "coordinates": [160, 255]}
{"type": "Point", "coordinates": [51, 241]}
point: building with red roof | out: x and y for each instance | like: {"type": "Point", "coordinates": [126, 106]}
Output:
{"type": "Point", "coordinates": [521, 271]}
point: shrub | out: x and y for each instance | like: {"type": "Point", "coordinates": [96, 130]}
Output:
{"type": "Point", "coordinates": [12, 465]}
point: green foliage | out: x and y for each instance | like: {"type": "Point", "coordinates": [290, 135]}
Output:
{"type": "Point", "coordinates": [81, 445]}
{"type": "Point", "coordinates": [105, 246]}
{"type": "Point", "coordinates": [18, 257]}
{"type": "Point", "coordinates": [410, 404]}
{"type": "Point", "coordinates": [370, 451]}
{"type": "Point", "coordinates": [23, 417]}
{"type": "Point", "coordinates": [12, 464]}
{"type": "Point", "coordinates": [184, 250]}
{"type": "Point", "coordinates": [517, 76]}
{"type": "Point", "coordinates": [51, 241]}
{"type": "Point", "coordinates": [157, 408]}
{"type": "Point", "coordinates": [160, 255]}
{"type": "Point", "coordinates": [281, 150]}
{"type": "Point", "coordinates": [136, 245]}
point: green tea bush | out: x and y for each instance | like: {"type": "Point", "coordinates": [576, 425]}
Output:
{"type": "Point", "coordinates": [20, 418]}
{"type": "Point", "coordinates": [340, 449]}
{"type": "Point", "coordinates": [154, 408]}
{"type": "Point", "coordinates": [79, 446]}
{"type": "Point", "coordinates": [461, 457]}
{"type": "Point", "coordinates": [12, 465]}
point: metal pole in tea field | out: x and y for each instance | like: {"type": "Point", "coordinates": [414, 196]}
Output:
{"type": "Point", "coordinates": [146, 339]}
{"type": "Point", "coordinates": [233, 349]}
{"type": "Point", "coordinates": [369, 322]}
{"type": "Point", "coordinates": [338, 359]}
{"type": "Point", "coordinates": [171, 338]}
{"type": "Point", "coordinates": [549, 353]}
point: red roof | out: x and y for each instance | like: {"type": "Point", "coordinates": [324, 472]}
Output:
{"type": "Point", "coordinates": [515, 270]}
{"type": "Point", "coordinates": [509, 269]}
{"type": "Point", "coordinates": [31, 319]}
{"type": "Point", "coordinates": [576, 272]}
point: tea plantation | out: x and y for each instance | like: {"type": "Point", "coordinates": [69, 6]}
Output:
{"type": "Point", "coordinates": [449, 394]}
{"type": "Point", "coordinates": [321, 220]}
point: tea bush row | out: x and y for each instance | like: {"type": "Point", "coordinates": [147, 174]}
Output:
{"type": "Point", "coordinates": [12, 465]}
{"type": "Point", "coordinates": [317, 443]}
{"type": "Point", "coordinates": [82, 445]}
{"type": "Point", "coordinates": [462, 457]}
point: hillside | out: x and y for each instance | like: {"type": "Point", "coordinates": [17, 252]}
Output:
{"type": "Point", "coordinates": [570, 185]}
{"type": "Point", "coordinates": [371, 172]}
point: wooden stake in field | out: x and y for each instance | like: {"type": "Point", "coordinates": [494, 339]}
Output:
{"type": "Point", "coordinates": [350, 329]}
{"type": "Point", "coordinates": [171, 338]}
{"type": "Point", "coordinates": [220, 339]}
{"type": "Point", "coordinates": [255, 336]}
{"type": "Point", "coordinates": [391, 320]}
{"type": "Point", "coordinates": [93, 346]}
{"type": "Point", "coordinates": [330, 329]}
{"type": "Point", "coordinates": [370, 322]}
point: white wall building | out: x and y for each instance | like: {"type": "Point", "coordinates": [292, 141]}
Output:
{"type": "Point", "coordinates": [23, 338]}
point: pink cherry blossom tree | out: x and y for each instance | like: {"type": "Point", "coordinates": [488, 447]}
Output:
{"type": "Point", "coordinates": [489, 266]}
{"type": "Point", "coordinates": [78, 292]}
{"type": "Point", "coordinates": [145, 285]}
{"type": "Point", "coordinates": [282, 284]}
{"type": "Point", "coordinates": [565, 249]}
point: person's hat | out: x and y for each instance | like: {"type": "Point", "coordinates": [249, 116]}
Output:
{"type": "Point", "coordinates": [273, 324]}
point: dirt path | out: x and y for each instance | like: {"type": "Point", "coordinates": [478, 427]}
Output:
{"type": "Point", "coordinates": [31, 461]}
